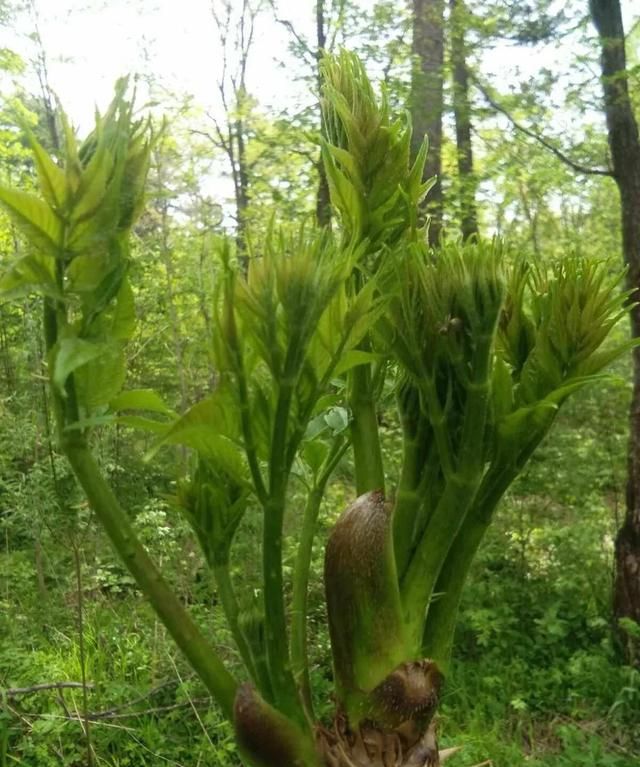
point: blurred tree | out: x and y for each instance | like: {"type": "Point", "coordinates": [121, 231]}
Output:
{"type": "Point", "coordinates": [624, 144]}
{"type": "Point", "coordinates": [427, 99]}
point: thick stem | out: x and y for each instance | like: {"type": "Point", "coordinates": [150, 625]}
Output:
{"type": "Point", "coordinates": [284, 688]}
{"type": "Point", "coordinates": [439, 629]}
{"type": "Point", "coordinates": [458, 496]}
{"type": "Point", "coordinates": [421, 576]}
{"type": "Point", "coordinates": [365, 437]}
{"type": "Point", "coordinates": [409, 499]}
{"type": "Point", "coordinates": [440, 626]}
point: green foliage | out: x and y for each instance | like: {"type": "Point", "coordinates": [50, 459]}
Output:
{"type": "Point", "coordinates": [79, 231]}
{"type": "Point", "coordinates": [480, 348]}
{"type": "Point", "coordinates": [374, 187]}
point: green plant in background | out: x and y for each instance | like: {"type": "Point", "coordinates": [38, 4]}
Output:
{"type": "Point", "coordinates": [479, 348]}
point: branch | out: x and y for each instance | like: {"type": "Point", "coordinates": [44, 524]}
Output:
{"type": "Point", "coordinates": [576, 166]}
{"type": "Point", "coordinates": [112, 714]}
{"type": "Point", "coordinates": [304, 45]}
{"type": "Point", "coordinates": [14, 692]}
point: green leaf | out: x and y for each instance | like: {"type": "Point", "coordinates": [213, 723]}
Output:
{"type": "Point", "coordinates": [53, 180]}
{"type": "Point", "coordinates": [100, 380]}
{"type": "Point", "coordinates": [71, 354]}
{"type": "Point", "coordinates": [29, 274]}
{"type": "Point", "coordinates": [86, 272]}
{"type": "Point", "coordinates": [140, 399]}
{"type": "Point", "coordinates": [207, 428]}
{"type": "Point", "coordinates": [40, 225]}
{"type": "Point", "coordinates": [124, 318]}
{"type": "Point", "coordinates": [314, 453]}
{"type": "Point", "coordinates": [353, 358]}
{"type": "Point", "coordinates": [93, 186]}
{"type": "Point", "coordinates": [348, 162]}
{"type": "Point", "coordinates": [517, 429]}
{"type": "Point", "coordinates": [144, 424]}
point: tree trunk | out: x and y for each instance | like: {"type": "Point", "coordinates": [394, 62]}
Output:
{"type": "Point", "coordinates": [462, 114]}
{"type": "Point", "coordinates": [427, 98]}
{"type": "Point", "coordinates": [625, 154]}
{"type": "Point", "coordinates": [241, 177]}
{"type": "Point", "coordinates": [323, 200]}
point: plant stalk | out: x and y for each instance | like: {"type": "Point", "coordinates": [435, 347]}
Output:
{"type": "Point", "coordinates": [365, 435]}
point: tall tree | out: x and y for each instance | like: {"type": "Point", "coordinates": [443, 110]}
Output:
{"type": "Point", "coordinates": [462, 115]}
{"type": "Point", "coordinates": [236, 35]}
{"type": "Point", "coordinates": [427, 98]}
{"type": "Point", "coordinates": [624, 144]}
{"type": "Point", "coordinates": [329, 19]}
{"type": "Point", "coordinates": [323, 201]}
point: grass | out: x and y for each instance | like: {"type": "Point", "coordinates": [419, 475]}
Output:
{"type": "Point", "coordinates": [537, 680]}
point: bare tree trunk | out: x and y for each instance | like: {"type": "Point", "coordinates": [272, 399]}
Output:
{"type": "Point", "coordinates": [42, 73]}
{"type": "Point", "coordinates": [235, 37]}
{"type": "Point", "coordinates": [427, 98]}
{"type": "Point", "coordinates": [323, 201]}
{"type": "Point", "coordinates": [242, 174]}
{"type": "Point", "coordinates": [462, 114]}
{"type": "Point", "coordinates": [624, 144]}
{"type": "Point", "coordinates": [532, 218]}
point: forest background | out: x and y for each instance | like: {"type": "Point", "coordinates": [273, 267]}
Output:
{"type": "Point", "coordinates": [541, 675]}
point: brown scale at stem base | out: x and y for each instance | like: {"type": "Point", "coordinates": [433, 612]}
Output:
{"type": "Point", "coordinates": [406, 701]}
{"type": "Point", "coordinates": [371, 746]}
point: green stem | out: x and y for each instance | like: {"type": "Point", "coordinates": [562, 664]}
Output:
{"type": "Point", "coordinates": [232, 611]}
{"type": "Point", "coordinates": [162, 598]}
{"type": "Point", "coordinates": [243, 393]}
{"type": "Point", "coordinates": [283, 684]}
{"type": "Point", "coordinates": [365, 436]}
{"type": "Point", "coordinates": [439, 629]}
{"type": "Point", "coordinates": [419, 581]}
{"type": "Point", "coordinates": [460, 489]}
{"type": "Point", "coordinates": [115, 521]}
{"type": "Point", "coordinates": [438, 421]}
{"type": "Point", "coordinates": [409, 499]}
{"type": "Point", "coordinates": [299, 658]}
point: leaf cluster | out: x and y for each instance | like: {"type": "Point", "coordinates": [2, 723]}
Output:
{"type": "Point", "coordinates": [375, 188]}
{"type": "Point", "coordinates": [78, 231]}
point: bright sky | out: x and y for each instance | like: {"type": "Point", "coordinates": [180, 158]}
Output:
{"type": "Point", "coordinates": [92, 42]}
